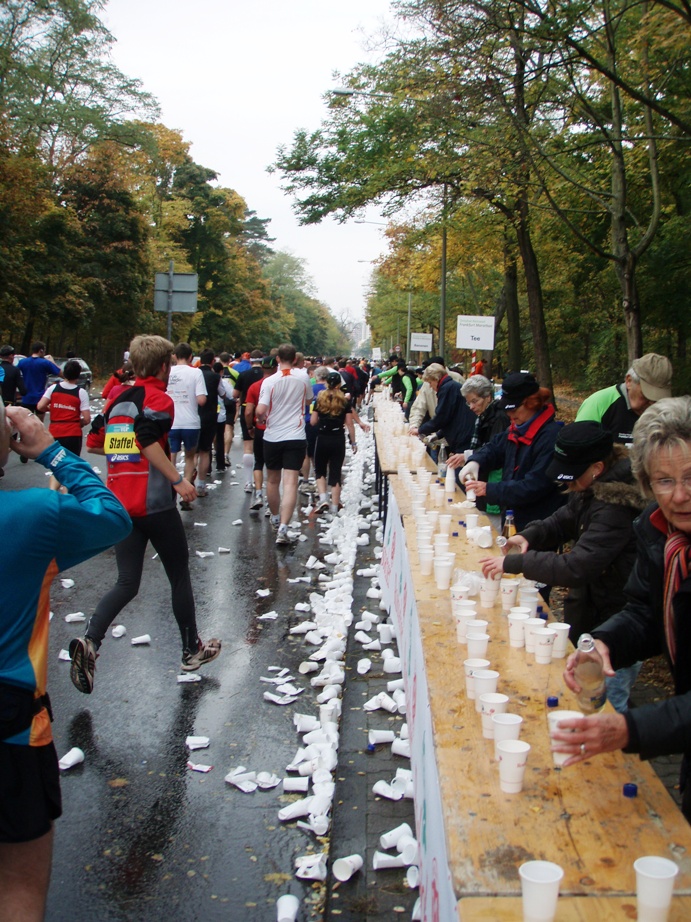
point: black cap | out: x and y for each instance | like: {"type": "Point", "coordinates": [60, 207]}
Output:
{"type": "Point", "coordinates": [434, 360]}
{"type": "Point", "coordinates": [6, 350]}
{"type": "Point", "coordinates": [516, 387]}
{"type": "Point", "coordinates": [333, 379]}
{"type": "Point", "coordinates": [578, 446]}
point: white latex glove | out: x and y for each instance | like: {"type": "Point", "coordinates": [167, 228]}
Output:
{"type": "Point", "coordinates": [470, 471]}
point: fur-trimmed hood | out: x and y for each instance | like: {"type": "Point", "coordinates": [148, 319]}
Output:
{"type": "Point", "coordinates": [618, 485]}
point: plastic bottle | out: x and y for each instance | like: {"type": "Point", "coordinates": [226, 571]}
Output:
{"type": "Point", "coordinates": [442, 459]}
{"type": "Point", "coordinates": [508, 531]}
{"type": "Point", "coordinates": [590, 675]}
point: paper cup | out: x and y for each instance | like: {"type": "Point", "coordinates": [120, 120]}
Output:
{"type": "Point", "coordinates": [483, 537]}
{"type": "Point", "coordinates": [509, 590]}
{"type": "Point", "coordinates": [381, 860]}
{"type": "Point", "coordinates": [426, 562]}
{"type": "Point", "coordinates": [540, 890]}
{"type": "Point", "coordinates": [487, 598]}
{"type": "Point", "coordinates": [471, 520]}
{"type": "Point", "coordinates": [491, 703]}
{"type": "Point", "coordinates": [459, 592]}
{"type": "Point", "coordinates": [380, 736]}
{"type": "Point", "coordinates": [477, 626]}
{"type": "Point", "coordinates": [516, 630]}
{"type": "Point", "coordinates": [506, 727]}
{"type": "Point", "coordinates": [444, 523]}
{"type": "Point", "coordinates": [391, 838]}
{"type": "Point", "coordinates": [512, 755]}
{"type": "Point", "coordinates": [553, 718]}
{"type": "Point", "coordinates": [561, 641]}
{"type": "Point", "coordinates": [443, 570]}
{"type": "Point", "coordinates": [654, 886]}
{"type": "Point", "coordinates": [287, 907]}
{"type": "Point", "coordinates": [462, 625]}
{"type": "Point", "coordinates": [532, 624]}
{"type": "Point", "coordinates": [344, 868]}
{"type": "Point", "coordinates": [470, 667]}
{"type": "Point", "coordinates": [477, 644]}
{"type": "Point", "coordinates": [296, 784]}
{"type": "Point", "coordinates": [461, 605]}
{"type": "Point", "coordinates": [485, 681]}
{"type": "Point", "coordinates": [142, 639]}
{"type": "Point", "coordinates": [544, 642]}
{"type": "Point", "coordinates": [74, 757]}
{"type": "Point", "coordinates": [490, 584]}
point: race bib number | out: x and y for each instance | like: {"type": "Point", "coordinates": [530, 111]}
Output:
{"type": "Point", "coordinates": [120, 443]}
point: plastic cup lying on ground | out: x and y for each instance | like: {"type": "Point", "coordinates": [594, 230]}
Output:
{"type": "Point", "coordinates": [512, 755]}
{"type": "Point", "coordinates": [391, 838]}
{"type": "Point", "coordinates": [287, 907]}
{"type": "Point", "coordinates": [540, 890]}
{"type": "Point", "coordinates": [654, 887]}
{"type": "Point", "coordinates": [344, 868]}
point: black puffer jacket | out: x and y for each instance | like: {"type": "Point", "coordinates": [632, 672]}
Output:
{"type": "Point", "coordinates": [600, 522]}
{"type": "Point", "coordinates": [637, 633]}
{"type": "Point", "coordinates": [453, 419]}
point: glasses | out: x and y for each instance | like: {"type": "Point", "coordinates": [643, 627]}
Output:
{"type": "Point", "coordinates": [666, 485]}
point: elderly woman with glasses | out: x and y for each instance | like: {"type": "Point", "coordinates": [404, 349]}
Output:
{"type": "Point", "coordinates": [657, 615]}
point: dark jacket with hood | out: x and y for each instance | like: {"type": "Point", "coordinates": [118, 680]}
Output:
{"type": "Point", "coordinates": [453, 419]}
{"type": "Point", "coordinates": [600, 522]}
{"type": "Point", "coordinates": [637, 633]}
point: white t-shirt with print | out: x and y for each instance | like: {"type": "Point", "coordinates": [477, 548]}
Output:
{"type": "Point", "coordinates": [285, 394]}
{"type": "Point", "coordinates": [185, 384]}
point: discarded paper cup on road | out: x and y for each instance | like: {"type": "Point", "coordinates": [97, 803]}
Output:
{"type": "Point", "coordinates": [513, 755]}
{"type": "Point", "coordinates": [540, 890]}
{"type": "Point", "coordinates": [491, 703]}
{"type": "Point", "coordinates": [381, 860]}
{"type": "Point", "coordinates": [363, 666]}
{"type": "Point", "coordinates": [393, 664]}
{"type": "Point", "coordinates": [305, 722]}
{"type": "Point", "coordinates": [118, 630]}
{"type": "Point", "coordinates": [74, 757]}
{"type": "Point", "coordinates": [391, 838]}
{"type": "Point", "coordinates": [505, 727]}
{"type": "Point", "coordinates": [470, 667]}
{"type": "Point", "coordinates": [401, 748]}
{"type": "Point", "coordinates": [287, 907]}
{"type": "Point", "coordinates": [477, 644]}
{"type": "Point", "coordinates": [544, 642]}
{"type": "Point", "coordinates": [143, 639]}
{"type": "Point", "coordinates": [413, 876]}
{"type": "Point", "coordinates": [654, 887]}
{"type": "Point", "coordinates": [561, 641]}
{"type": "Point", "coordinates": [296, 784]}
{"type": "Point", "coordinates": [344, 868]}
{"type": "Point", "coordinates": [485, 681]}
{"type": "Point", "coordinates": [308, 666]}
{"type": "Point", "coordinates": [380, 736]}
{"type": "Point", "coordinates": [385, 633]}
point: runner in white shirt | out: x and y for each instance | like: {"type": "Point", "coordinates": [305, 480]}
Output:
{"type": "Point", "coordinates": [281, 406]}
{"type": "Point", "coordinates": [187, 388]}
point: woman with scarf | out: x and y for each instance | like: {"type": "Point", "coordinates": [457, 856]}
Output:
{"type": "Point", "coordinates": [657, 615]}
{"type": "Point", "coordinates": [523, 452]}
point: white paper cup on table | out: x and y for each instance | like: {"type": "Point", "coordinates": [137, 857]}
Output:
{"type": "Point", "coordinates": [471, 520]}
{"type": "Point", "coordinates": [443, 568]}
{"type": "Point", "coordinates": [444, 523]}
{"type": "Point", "coordinates": [521, 610]}
{"type": "Point", "coordinates": [516, 621]}
{"type": "Point", "coordinates": [553, 718]}
{"type": "Point", "coordinates": [459, 592]}
{"type": "Point", "coordinates": [561, 641]}
{"type": "Point", "coordinates": [509, 592]}
{"type": "Point", "coordinates": [487, 599]}
{"type": "Point", "coordinates": [483, 536]}
{"type": "Point", "coordinates": [459, 605]}
{"type": "Point", "coordinates": [470, 667]}
{"type": "Point", "coordinates": [490, 584]}
{"type": "Point", "coordinates": [485, 682]}
{"type": "Point", "coordinates": [544, 643]}
{"type": "Point", "coordinates": [391, 838]}
{"type": "Point", "coordinates": [491, 703]}
{"type": "Point", "coordinates": [532, 624]}
{"type": "Point", "coordinates": [287, 907]}
{"type": "Point", "coordinates": [540, 890]}
{"type": "Point", "coordinates": [529, 598]}
{"type": "Point", "coordinates": [512, 755]}
{"type": "Point", "coordinates": [426, 558]}
{"type": "Point", "coordinates": [477, 644]}
{"type": "Point", "coordinates": [344, 868]}
{"type": "Point", "coordinates": [478, 625]}
{"type": "Point", "coordinates": [506, 727]}
{"type": "Point", "coordinates": [654, 887]}
{"type": "Point", "coordinates": [462, 625]}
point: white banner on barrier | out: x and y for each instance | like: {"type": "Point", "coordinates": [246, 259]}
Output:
{"type": "Point", "coordinates": [437, 898]}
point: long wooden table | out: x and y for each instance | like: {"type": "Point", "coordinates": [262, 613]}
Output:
{"type": "Point", "coordinates": [577, 816]}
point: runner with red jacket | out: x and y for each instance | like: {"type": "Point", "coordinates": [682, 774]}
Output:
{"type": "Point", "coordinates": [69, 408]}
{"type": "Point", "coordinates": [133, 434]}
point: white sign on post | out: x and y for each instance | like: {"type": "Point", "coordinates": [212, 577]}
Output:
{"type": "Point", "coordinates": [474, 332]}
{"type": "Point", "coordinates": [420, 342]}
{"type": "Point", "coordinates": [376, 354]}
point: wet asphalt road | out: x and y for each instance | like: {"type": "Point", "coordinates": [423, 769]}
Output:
{"type": "Point", "coordinates": [142, 837]}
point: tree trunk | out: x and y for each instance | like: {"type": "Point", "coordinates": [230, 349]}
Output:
{"type": "Point", "coordinates": [534, 290]}
{"type": "Point", "coordinates": [513, 320]}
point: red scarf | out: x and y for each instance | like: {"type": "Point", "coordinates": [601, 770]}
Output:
{"type": "Point", "coordinates": [677, 561]}
{"type": "Point", "coordinates": [527, 437]}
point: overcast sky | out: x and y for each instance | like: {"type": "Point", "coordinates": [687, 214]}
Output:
{"type": "Point", "coordinates": [237, 78]}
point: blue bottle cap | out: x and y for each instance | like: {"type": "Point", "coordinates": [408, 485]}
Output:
{"type": "Point", "coordinates": [553, 701]}
{"type": "Point", "coordinates": [371, 747]}
{"type": "Point", "coordinates": [454, 534]}
{"type": "Point", "coordinates": [630, 789]}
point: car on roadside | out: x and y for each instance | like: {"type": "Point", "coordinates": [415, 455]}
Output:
{"type": "Point", "coordinates": [85, 378]}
